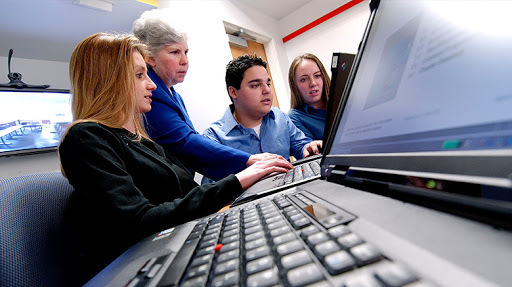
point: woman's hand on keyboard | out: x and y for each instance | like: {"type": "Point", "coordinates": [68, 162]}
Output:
{"type": "Point", "coordinates": [262, 156]}
{"type": "Point", "coordinates": [261, 168]}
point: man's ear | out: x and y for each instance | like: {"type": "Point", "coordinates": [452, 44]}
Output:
{"type": "Point", "coordinates": [232, 92]}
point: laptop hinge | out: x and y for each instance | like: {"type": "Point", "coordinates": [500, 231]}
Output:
{"type": "Point", "coordinates": [331, 170]}
{"type": "Point", "coordinates": [327, 170]}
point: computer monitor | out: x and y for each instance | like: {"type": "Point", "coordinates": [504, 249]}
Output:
{"type": "Point", "coordinates": [32, 120]}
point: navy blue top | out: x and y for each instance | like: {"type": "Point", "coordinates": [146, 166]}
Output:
{"type": "Point", "coordinates": [169, 124]}
{"type": "Point", "coordinates": [309, 120]}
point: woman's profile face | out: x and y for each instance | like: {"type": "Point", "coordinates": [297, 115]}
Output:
{"type": "Point", "coordinates": [171, 63]}
{"type": "Point", "coordinates": [143, 84]}
{"type": "Point", "coordinates": [309, 82]}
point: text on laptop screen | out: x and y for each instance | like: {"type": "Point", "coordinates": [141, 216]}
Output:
{"type": "Point", "coordinates": [434, 76]}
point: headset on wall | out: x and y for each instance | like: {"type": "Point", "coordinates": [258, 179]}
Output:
{"type": "Point", "coordinates": [15, 78]}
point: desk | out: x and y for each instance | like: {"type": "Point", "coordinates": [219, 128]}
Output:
{"type": "Point", "coordinates": [8, 132]}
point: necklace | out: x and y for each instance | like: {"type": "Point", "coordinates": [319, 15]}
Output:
{"type": "Point", "coordinates": [234, 116]}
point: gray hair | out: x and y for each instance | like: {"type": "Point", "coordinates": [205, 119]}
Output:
{"type": "Point", "coordinates": [155, 32]}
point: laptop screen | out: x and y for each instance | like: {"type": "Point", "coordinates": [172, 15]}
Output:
{"type": "Point", "coordinates": [431, 92]}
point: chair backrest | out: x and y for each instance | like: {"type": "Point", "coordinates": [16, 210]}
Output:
{"type": "Point", "coordinates": [35, 247]}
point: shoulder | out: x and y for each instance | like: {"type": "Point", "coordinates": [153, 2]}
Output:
{"type": "Point", "coordinates": [87, 132]}
{"type": "Point", "coordinates": [294, 114]}
{"type": "Point", "coordinates": [223, 125]}
{"type": "Point", "coordinates": [278, 114]}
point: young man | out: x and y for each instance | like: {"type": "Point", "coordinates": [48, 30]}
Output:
{"type": "Point", "coordinates": [251, 123]}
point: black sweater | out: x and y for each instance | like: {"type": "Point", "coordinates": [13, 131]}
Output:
{"type": "Point", "coordinates": [126, 190]}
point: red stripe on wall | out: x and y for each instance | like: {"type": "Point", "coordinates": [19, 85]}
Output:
{"type": "Point", "coordinates": [322, 19]}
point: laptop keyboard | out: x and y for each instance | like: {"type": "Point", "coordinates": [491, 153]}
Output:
{"type": "Point", "coordinates": [301, 172]}
{"type": "Point", "coordinates": [288, 240]}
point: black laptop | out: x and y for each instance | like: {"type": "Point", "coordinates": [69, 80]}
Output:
{"type": "Point", "coordinates": [416, 187]}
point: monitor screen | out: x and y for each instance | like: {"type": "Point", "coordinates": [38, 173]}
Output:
{"type": "Point", "coordinates": [32, 120]}
{"type": "Point", "coordinates": [432, 80]}
{"type": "Point", "coordinates": [431, 92]}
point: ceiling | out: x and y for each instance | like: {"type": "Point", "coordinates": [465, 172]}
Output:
{"type": "Point", "coordinates": [54, 27]}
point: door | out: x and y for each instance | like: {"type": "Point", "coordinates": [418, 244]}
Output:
{"type": "Point", "coordinates": [259, 50]}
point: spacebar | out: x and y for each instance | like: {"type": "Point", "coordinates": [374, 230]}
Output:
{"type": "Point", "coordinates": [173, 274]}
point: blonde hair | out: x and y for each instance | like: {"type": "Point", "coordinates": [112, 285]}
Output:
{"type": "Point", "coordinates": [296, 99]}
{"type": "Point", "coordinates": [101, 70]}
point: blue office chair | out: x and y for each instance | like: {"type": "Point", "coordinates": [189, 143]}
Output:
{"type": "Point", "coordinates": [36, 246]}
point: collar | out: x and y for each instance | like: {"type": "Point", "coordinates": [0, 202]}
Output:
{"type": "Point", "coordinates": [230, 123]}
{"type": "Point", "coordinates": [159, 83]}
{"type": "Point", "coordinates": [311, 110]}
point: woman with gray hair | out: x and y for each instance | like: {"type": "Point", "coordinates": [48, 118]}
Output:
{"type": "Point", "coordinates": [168, 122]}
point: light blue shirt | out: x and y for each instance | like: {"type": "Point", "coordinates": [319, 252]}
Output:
{"type": "Point", "coordinates": [278, 135]}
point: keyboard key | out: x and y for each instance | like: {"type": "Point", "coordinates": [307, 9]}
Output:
{"type": "Point", "coordinates": [198, 270]}
{"type": "Point", "coordinates": [257, 253]}
{"type": "Point", "coordinates": [317, 238]}
{"type": "Point", "coordinates": [265, 278]}
{"type": "Point", "coordinates": [205, 259]}
{"type": "Point", "coordinates": [279, 231]}
{"type": "Point", "coordinates": [301, 223]}
{"type": "Point", "coordinates": [227, 266]}
{"type": "Point", "coordinates": [195, 282]}
{"type": "Point", "coordinates": [228, 255]}
{"type": "Point", "coordinates": [229, 239]}
{"type": "Point", "coordinates": [295, 259]}
{"type": "Point", "coordinates": [289, 247]}
{"type": "Point", "coordinates": [259, 265]}
{"type": "Point", "coordinates": [366, 253]}
{"type": "Point", "coordinates": [333, 221]}
{"type": "Point", "coordinates": [309, 231]}
{"type": "Point", "coordinates": [230, 232]}
{"type": "Point", "coordinates": [255, 243]}
{"type": "Point", "coordinates": [326, 248]}
{"type": "Point", "coordinates": [363, 280]}
{"type": "Point", "coordinates": [304, 275]}
{"type": "Point", "coordinates": [315, 166]}
{"type": "Point", "coordinates": [254, 236]}
{"type": "Point", "coordinates": [395, 275]}
{"type": "Point", "coordinates": [277, 224]}
{"type": "Point", "coordinates": [228, 279]}
{"type": "Point", "coordinates": [253, 229]}
{"type": "Point", "coordinates": [339, 262]}
{"type": "Point", "coordinates": [338, 231]}
{"type": "Point", "coordinates": [297, 174]}
{"type": "Point", "coordinates": [350, 240]}
{"type": "Point", "coordinates": [205, 251]}
{"type": "Point", "coordinates": [230, 246]}
{"type": "Point", "coordinates": [283, 238]}
{"type": "Point", "coordinates": [207, 243]}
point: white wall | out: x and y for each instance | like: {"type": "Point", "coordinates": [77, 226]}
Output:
{"type": "Point", "coordinates": [204, 89]}
{"type": "Point", "coordinates": [342, 33]}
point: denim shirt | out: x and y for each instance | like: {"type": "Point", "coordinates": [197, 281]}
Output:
{"type": "Point", "coordinates": [278, 135]}
{"type": "Point", "coordinates": [309, 120]}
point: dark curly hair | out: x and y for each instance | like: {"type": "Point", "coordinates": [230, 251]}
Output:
{"type": "Point", "coordinates": [236, 68]}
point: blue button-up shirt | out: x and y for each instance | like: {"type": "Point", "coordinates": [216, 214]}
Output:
{"type": "Point", "coordinates": [278, 135]}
